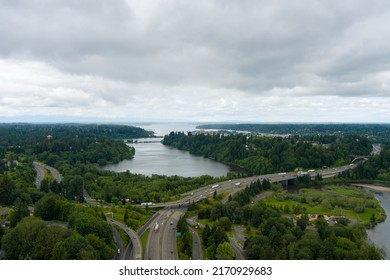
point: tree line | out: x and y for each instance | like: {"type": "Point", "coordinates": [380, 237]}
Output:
{"type": "Point", "coordinates": [79, 233]}
{"type": "Point", "coordinates": [274, 235]}
{"type": "Point", "coordinates": [378, 133]}
{"type": "Point", "coordinates": [264, 155]}
{"type": "Point", "coordinates": [377, 167]}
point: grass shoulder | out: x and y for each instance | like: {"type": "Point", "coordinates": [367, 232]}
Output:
{"type": "Point", "coordinates": [144, 240]}
{"type": "Point", "coordinates": [124, 236]}
{"type": "Point", "coordinates": [133, 216]}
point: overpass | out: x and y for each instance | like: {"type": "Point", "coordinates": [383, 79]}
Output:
{"type": "Point", "coordinates": [376, 150]}
{"type": "Point", "coordinates": [358, 157]}
{"type": "Point", "coordinates": [162, 243]}
{"type": "Point", "coordinates": [233, 186]}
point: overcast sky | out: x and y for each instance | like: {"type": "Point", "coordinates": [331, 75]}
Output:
{"type": "Point", "coordinates": [204, 60]}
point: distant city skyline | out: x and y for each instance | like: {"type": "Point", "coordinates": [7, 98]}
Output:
{"type": "Point", "coordinates": [195, 61]}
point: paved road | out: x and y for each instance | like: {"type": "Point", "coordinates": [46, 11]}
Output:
{"type": "Point", "coordinates": [196, 245]}
{"type": "Point", "coordinates": [153, 247]}
{"type": "Point", "coordinates": [237, 250]}
{"type": "Point", "coordinates": [119, 243]}
{"type": "Point", "coordinates": [232, 186]}
{"type": "Point", "coordinates": [162, 243]}
{"type": "Point", "coordinates": [41, 168]}
{"type": "Point", "coordinates": [54, 172]}
{"type": "Point", "coordinates": [136, 248]}
{"type": "Point", "coordinates": [239, 234]}
{"type": "Point", "coordinates": [147, 225]}
{"type": "Point", "coordinates": [169, 245]}
{"type": "Point", "coordinates": [376, 149]}
{"type": "Point", "coordinates": [40, 174]}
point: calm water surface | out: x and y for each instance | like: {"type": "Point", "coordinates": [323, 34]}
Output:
{"type": "Point", "coordinates": [155, 158]}
{"type": "Point", "coordinates": [380, 235]}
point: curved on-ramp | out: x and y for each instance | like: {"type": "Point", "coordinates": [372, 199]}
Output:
{"type": "Point", "coordinates": [135, 241]}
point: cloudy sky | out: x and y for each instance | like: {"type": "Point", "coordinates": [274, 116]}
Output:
{"type": "Point", "coordinates": [204, 60]}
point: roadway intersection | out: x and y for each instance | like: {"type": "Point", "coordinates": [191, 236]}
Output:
{"type": "Point", "coordinates": [161, 243]}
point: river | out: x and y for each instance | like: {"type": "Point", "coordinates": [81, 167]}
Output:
{"type": "Point", "coordinates": [380, 234]}
{"type": "Point", "coordinates": [155, 158]}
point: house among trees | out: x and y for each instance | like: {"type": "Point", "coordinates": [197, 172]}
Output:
{"type": "Point", "coordinates": [3, 217]}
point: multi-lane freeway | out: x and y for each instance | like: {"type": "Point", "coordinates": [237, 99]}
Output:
{"type": "Point", "coordinates": [161, 243]}
{"type": "Point", "coordinates": [41, 168]}
{"type": "Point", "coordinates": [162, 237]}
{"type": "Point", "coordinates": [232, 186]}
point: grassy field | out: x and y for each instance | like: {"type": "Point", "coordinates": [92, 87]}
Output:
{"type": "Point", "coordinates": [355, 204]}
{"type": "Point", "coordinates": [144, 240]}
{"type": "Point", "coordinates": [206, 202]}
{"type": "Point", "coordinates": [125, 238]}
{"type": "Point", "coordinates": [136, 217]}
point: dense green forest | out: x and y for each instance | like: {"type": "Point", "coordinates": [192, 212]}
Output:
{"type": "Point", "coordinates": [77, 152]}
{"type": "Point", "coordinates": [78, 232]}
{"type": "Point", "coordinates": [277, 232]}
{"type": "Point", "coordinates": [22, 134]}
{"type": "Point", "coordinates": [65, 140]}
{"type": "Point", "coordinates": [278, 237]}
{"type": "Point", "coordinates": [64, 227]}
{"type": "Point", "coordinates": [375, 132]}
{"type": "Point", "coordinates": [264, 155]}
{"type": "Point", "coordinates": [78, 156]}
{"type": "Point", "coordinates": [84, 235]}
{"type": "Point", "coordinates": [376, 168]}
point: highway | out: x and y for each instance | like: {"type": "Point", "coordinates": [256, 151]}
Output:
{"type": "Point", "coordinates": [152, 220]}
{"type": "Point", "coordinates": [196, 245]}
{"type": "Point", "coordinates": [119, 243]}
{"type": "Point", "coordinates": [376, 149]}
{"type": "Point", "coordinates": [153, 247]}
{"type": "Point", "coordinates": [135, 241]}
{"type": "Point", "coordinates": [168, 246]}
{"type": "Point", "coordinates": [40, 168]}
{"type": "Point", "coordinates": [40, 174]}
{"type": "Point", "coordinates": [232, 186]}
{"type": "Point", "coordinates": [237, 250]}
{"type": "Point", "coordinates": [162, 243]}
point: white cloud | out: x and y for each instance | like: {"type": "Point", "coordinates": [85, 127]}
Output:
{"type": "Point", "coordinates": [195, 60]}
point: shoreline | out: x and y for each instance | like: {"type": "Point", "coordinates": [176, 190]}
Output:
{"type": "Point", "coordinates": [372, 187]}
